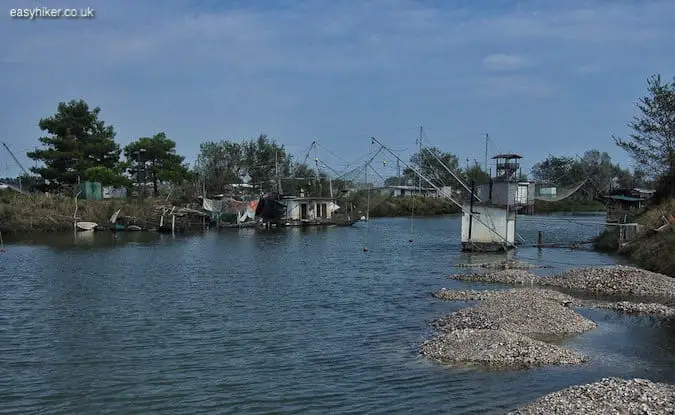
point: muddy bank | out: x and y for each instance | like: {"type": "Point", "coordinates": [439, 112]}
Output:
{"type": "Point", "coordinates": [607, 396]}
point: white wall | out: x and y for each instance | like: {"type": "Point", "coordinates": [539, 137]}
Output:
{"type": "Point", "coordinates": [495, 219]}
{"type": "Point", "coordinates": [293, 209]}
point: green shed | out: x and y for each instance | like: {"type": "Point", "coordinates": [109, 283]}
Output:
{"type": "Point", "coordinates": [91, 191]}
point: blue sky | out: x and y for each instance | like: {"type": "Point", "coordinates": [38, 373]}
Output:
{"type": "Point", "coordinates": [539, 76]}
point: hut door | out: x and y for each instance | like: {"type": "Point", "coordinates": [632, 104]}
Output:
{"type": "Point", "coordinates": [303, 211]}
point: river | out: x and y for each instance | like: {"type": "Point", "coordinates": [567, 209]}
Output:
{"type": "Point", "coordinates": [284, 321]}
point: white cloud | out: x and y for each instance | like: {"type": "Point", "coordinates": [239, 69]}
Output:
{"type": "Point", "coordinates": [504, 62]}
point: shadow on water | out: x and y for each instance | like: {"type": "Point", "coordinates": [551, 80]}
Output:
{"type": "Point", "coordinates": [281, 321]}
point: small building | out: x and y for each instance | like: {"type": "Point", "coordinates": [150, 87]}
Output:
{"type": "Point", "coordinates": [489, 218]}
{"type": "Point", "coordinates": [643, 193]}
{"type": "Point", "coordinates": [547, 191]}
{"type": "Point", "coordinates": [110, 192]}
{"type": "Point", "coordinates": [488, 228]}
{"type": "Point", "coordinates": [621, 203]}
{"type": "Point", "coordinates": [91, 191]}
{"type": "Point", "coordinates": [501, 193]}
{"type": "Point", "coordinates": [309, 208]}
{"type": "Point", "coordinates": [400, 191]}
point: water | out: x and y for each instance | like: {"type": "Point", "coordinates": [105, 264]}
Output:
{"type": "Point", "coordinates": [290, 321]}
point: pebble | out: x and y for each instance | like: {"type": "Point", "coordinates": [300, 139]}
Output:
{"type": "Point", "coordinates": [607, 396]}
{"type": "Point", "coordinates": [628, 307]}
{"type": "Point", "coordinates": [615, 280]}
{"type": "Point", "coordinates": [538, 313]}
{"type": "Point", "coordinates": [609, 280]}
{"type": "Point", "coordinates": [496, 349]}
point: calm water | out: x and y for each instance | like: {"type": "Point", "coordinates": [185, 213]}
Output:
{"type": "Point", "coordinates": [287, 321]}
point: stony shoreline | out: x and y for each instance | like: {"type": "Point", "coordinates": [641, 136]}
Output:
{"type": "Point", "coordinates": [617, 280]}
{"type": "Point", "coordinates": [607, 396]}
{"type": "Point", "coordinates": [499, 349]}
{"type": "Point", "coordinates": [508, 329]}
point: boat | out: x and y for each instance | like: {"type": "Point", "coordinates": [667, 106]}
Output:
{"type": "Point", "coordinates": [134, 228]}
{"type": "Point", "coordinates": [85, 226]}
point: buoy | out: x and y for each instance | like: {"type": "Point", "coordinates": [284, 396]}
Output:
{"type": "Point", "coordinates": [365, 249]}
{"type": "Point", "coordinates": [410, 240]}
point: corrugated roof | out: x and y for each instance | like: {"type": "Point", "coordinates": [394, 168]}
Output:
{"type": "Point", "coordinates": [625, 198]}
{"type": "Point", "coordinates": [508, 156]}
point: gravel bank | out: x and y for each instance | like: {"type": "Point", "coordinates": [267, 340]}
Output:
{"type": "Point", "coordinates": [538, 313]}
{"type": "Point", "coordinates": [615, 280]}
{"type": "Point", "coordinates": [610, 280]}
{"type": "Point", "coordinates": [627, 307]}
{"type": "Point", "coordinates": [468, 295]}
{"type": "Point", "coordinates": [507, 276]}
{"type": "Point", "coordinates": [608, 396]}
{"type": "Point", "coordinates": [497, 349]}
{"type": "Point", "coordinates": [475, 321]}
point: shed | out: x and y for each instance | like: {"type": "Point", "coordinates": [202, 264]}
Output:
{"type": "Point", "coordinates": [91, 191]}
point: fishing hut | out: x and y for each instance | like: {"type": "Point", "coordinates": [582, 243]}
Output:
{"type": "Point", "coordinates": [489, 216]}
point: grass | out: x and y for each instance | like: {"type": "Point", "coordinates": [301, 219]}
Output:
{"type": "Point", "coordinates": [44, 213]}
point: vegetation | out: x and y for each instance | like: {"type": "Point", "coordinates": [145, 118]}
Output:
{"type": "Point", "coordinates": [652, 146]}
{"type": "Point", "coordinates": [154, 159]}
{"type": "Point", "coordinates": [54, 213]}
{"type": "Point", "coordinates": [80, 146]}
{"type": "Point", "coordinates": [602, 175]}
{"type": "Point", "coordinates": [77, 142]}
{"type": "Point", "coordinates": [389, 206]}
{"type": "Point", "coordinates": [652, 143]}
{"type": "Point", "coordinates": [569, 205]}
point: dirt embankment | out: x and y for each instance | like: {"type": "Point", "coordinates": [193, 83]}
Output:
{"type": "Point", "coordinates": [654, 249]}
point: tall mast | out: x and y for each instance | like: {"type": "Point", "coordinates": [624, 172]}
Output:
{"type": "Point", "coordinates": [419, 183]}
{"type": "Point", "coordinates": [276, 170]}
{"type": "Point", "coordinates": [368, 193]}
{"type": "Point", "coordinates": [316, 163]}
{"type": "Point", "coordinates": [486, 152]}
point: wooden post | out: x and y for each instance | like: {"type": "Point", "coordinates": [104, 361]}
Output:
{"type": "Point", "coordinates": [173, 223]}
{"type": "Point", "coordinates": [539, 240]}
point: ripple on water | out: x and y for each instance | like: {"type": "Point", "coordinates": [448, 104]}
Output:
{"type": "Point", "coordinates": [279, 322]}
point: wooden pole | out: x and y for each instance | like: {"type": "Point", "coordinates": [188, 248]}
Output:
{"type": "Point", "coordinates": [539, 240]}
{"type": "Point", "coordinates": [173, 223]}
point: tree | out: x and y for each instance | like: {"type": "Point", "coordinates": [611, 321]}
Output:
{"type": "Point", "coordinates": [432, 163]}
{"type": "Point", "coordinates": [77, 141]}
{"type": "Point", "coordinates": [266, 162]}
{"type": "Point", "coordinates": [652, 143]}
{"type": "Point", "coordinates": [393, 181]}
{"type": "Point", "coordinates": [477, 175]}
{"type": "Point", "coordinates": [155, 159]}
{"type": "Point", "coordinates": [221, 163]}
{"type": "Point", "coordinates": [555, 171]}
{"type": "Point", "coordinates": [107, 176]}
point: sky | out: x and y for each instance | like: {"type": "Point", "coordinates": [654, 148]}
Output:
{"type": "Point", "coordinates": [540, 77]}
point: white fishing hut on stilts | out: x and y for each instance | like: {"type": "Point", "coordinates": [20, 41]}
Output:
{"type": "Point", "coordinates": [489, 217]}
